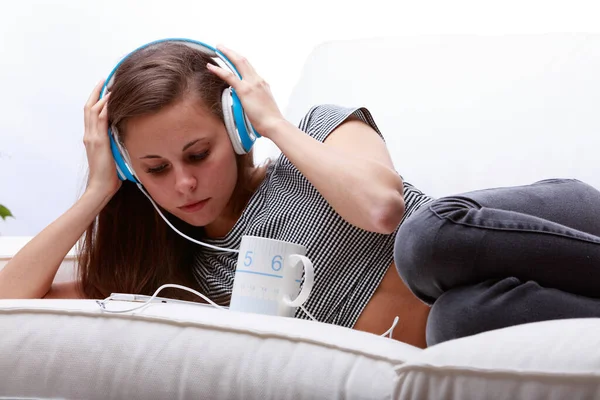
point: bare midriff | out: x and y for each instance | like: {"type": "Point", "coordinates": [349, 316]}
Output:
{"type": "Point", "coordinates": [392, 298]}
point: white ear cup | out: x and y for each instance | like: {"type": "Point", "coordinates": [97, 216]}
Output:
{"type": "Point", "coordinates": [227, 103]}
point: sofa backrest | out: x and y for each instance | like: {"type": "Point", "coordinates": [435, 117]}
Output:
{"type": "Point", "coordinates": [10, 245]}
{"type": "Point", "coordinates": [463, 112]}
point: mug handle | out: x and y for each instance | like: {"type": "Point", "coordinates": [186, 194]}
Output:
{"type": "Point", "coordinates": [309, 280]}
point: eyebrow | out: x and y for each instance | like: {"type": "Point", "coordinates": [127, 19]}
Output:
{"type": "Point", "coordinates": [187, 146]}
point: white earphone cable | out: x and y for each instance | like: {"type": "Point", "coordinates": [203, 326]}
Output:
{"type": "Point", "coordinates": [391, 330]}
{"type": "Point", "coordinates": [102, 303]}
{"type": "Point", "coordinates": [176, 230]}
{"type": "Point", "coordinates": [386, 333]}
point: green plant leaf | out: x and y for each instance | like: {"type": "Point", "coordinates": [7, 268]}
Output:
{"type": "Point", "coordinates": [4, 212]}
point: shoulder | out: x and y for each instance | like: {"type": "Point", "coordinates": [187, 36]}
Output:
{"type": "Point", "coordinates": [321, 120]}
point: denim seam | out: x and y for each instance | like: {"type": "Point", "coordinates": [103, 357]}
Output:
{"type": "Point", "coordinates": [515, 229]}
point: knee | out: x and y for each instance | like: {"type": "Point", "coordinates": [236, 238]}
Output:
{"type": "Point", "coordinates": [413, 249]}
{"type": "Point", "coordinates": [575, 184]}
{"type": "Point", "coordinates": [429, 246]}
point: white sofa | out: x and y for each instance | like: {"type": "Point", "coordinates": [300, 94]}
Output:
{"type": "Point", "coordinates": [459, 113]}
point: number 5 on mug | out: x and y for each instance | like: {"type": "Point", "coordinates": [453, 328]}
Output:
{"type": "Point", "coordinates": [273, 269]}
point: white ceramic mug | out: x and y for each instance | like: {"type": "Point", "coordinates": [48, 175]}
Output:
{"type": "Point", "coordinates": [268, 275]}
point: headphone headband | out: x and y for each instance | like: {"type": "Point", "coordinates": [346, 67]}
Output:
{"type": "Point", "coordinates": [239, 128]}
{"type": "Point", "coordinates": [194, 44]}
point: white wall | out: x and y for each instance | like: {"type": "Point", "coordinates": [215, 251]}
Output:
{"type": "Point", "coordinates": [53, 52]}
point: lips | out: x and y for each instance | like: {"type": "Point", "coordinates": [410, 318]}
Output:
{"type": "Point", "coordinates": [193, 207]}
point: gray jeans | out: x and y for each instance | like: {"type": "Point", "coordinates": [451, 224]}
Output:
{"type": "Point", "coordinates": [499, 257]}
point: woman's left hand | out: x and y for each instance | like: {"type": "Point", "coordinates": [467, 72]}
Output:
{"type": "Point", "coordinates": [254, 93]}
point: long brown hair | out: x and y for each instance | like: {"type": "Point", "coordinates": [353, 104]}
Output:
{"type": "Point", "coordinates": [129, 248]}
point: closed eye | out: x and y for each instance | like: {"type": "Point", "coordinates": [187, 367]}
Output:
{"type": "Point", "coordinates": [193, 157]}
{"type": "Point", "coordinates": [199, 156]}
{"type": "Point", "coordinates": [156, 170]}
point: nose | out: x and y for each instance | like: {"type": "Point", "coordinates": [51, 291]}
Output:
{"type": "Point", "coordinates": [185, 181]}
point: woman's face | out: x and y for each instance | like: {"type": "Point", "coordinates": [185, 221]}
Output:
{"type": "Point", "coordinates": [185, 160]}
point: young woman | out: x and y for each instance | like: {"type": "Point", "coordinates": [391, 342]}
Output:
{"type": "Point", "coordinates": [481, 260]}
{"type": "Point", "coordinates": [333, 190]}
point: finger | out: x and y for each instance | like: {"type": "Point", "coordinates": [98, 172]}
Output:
{"type": "Point", "coordinates": [95, 95]}
{"type": "Point", "coordinates": [103, 116]}
{"type": "Point", "coordinates": [240, 62]}
{"type": "Point", "coordinates": [102, 102]}
{"type": "Point", "coordinates": [224, 74]}
{"type": "Point", "coordinates": [90, 103]}
{"type": "Point", "coordinates": [102, 126]}
{"type": "Point", "coordinates": [97, 108]}
{"type": "Point", "coordinates": [99, 115]}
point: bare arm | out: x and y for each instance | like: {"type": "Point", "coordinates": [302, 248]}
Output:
{"type": "Point", "coordinates": [352, 170]}
{"type": "Point", "coordinates": [29, 274]}
{"type": "Point", "coordinates": [64, 290]}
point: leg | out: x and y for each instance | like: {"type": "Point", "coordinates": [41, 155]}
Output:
{"type": "Point", "coordinates": [547, 232]}
{"type": "Point", "coordinates": [469, 310]}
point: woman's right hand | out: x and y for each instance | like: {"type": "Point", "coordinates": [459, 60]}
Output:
{"type": "Point", "coordinates": [102, 171]}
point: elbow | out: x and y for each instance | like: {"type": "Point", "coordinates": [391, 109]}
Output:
{"type": "Point", "coordinates": [387, 216]}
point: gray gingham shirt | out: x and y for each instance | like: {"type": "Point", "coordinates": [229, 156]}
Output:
{"type": "Point", "coordinates": [349, 262]}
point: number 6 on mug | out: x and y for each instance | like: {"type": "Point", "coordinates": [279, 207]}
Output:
{"type": "Point", "coordinates": [268, 276]}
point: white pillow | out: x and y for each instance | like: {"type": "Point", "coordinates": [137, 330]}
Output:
{"type": "Point", "coordinates": [545, 360]}
{"type": "Point", "coordinates": [70, 349]}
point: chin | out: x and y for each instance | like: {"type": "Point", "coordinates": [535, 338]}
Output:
{"type": "Point", "coordinates": [195, 220]}
{"type": "Point", "coordinates": [199, 218]}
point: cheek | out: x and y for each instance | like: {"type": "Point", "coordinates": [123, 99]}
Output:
{"type": "Point", "coordinates": [222, 173]}
{"type": "Point", "coordinates": [158, 193]}
{"type": "Point", "coordinates": [232, 169]}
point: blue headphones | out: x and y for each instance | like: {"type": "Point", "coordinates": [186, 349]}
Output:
{"type": "Point", "coordinates": [240, 130]}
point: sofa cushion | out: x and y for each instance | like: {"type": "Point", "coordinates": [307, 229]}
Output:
{"type": "Point", "coordinates": [71, 349]}
{"type": "Point", "coordinates": [545, 360]}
